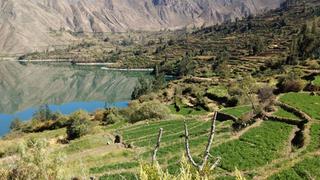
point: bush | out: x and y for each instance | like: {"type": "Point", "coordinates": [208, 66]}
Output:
{"type": "Point", "coordinates": [147, 110]}
{"type": "Point", "coordinates": [16, 125]}
{"type": "Point", "coordinates": [61, 122]}
{"type": "Point", "coordinates": [79, 126]}
{"type": "Point", "coordinates": [34, 162]}
{"type": "Point", "coordinates": [108, 116]}
{"type": "Point", "coordinates": [291, 85]}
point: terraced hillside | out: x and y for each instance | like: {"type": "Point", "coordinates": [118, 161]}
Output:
{"type": "Point", "coordinates": [262, 150]}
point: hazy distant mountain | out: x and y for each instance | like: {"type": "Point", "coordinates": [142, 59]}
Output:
{"type": "Point", "coordinates": [26, 24]}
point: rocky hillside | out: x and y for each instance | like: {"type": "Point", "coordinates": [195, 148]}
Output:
{"type": "Point", "coordinates": [34, 24]}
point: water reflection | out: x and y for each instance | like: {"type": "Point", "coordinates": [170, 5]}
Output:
{"type": "Point", "coordinates": [23, 88]}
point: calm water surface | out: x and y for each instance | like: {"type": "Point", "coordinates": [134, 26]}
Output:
{"type": "Point", "coordinates": [25, 87]}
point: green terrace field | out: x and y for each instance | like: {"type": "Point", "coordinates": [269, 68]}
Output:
{"type": "Point", "coordinates": [219, 91]}
{"type": "Point", "coordinates": [285, 114]}
{"type": "Point", "coordinates": [263, 149]}
{"type": "Point", "coordinates": [306, 169]}
{"type": "Point", "coordinates": [237, 111]}
{"type": "Point", "coordinates": [304, 102]}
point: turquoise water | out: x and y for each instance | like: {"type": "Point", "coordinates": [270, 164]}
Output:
{"type": "Point", "coordinates": [25, 87]}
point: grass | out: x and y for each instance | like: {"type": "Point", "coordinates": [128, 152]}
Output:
{"type": "Point", "coordinates": [285, 114]}
{"type": "Point", "coordinates": [188, 110]}
{"type": "Point", "coordinates": [219, 91]}
{"type": "Point", "coordinates": [237, 111]}
{"type": "Point", "coordinates": [85, 143]}
{"type": "Point", "coordinates": [307, 169]}
{"type": "Point", "coordinates": [305, 102]}
{"type": "Point", "coordinates": [257, 147]}
{"type": "Point", "coordinates": [108, 167]}
{"type": "Point", "coordinates": [315, 137]}
{"type": "Point", "coordinates": [120, 176]}
{"type": "Point", "coordinates": [316, 81]}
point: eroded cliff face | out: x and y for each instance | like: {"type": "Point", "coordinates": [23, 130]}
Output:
{"type": "Point", "coordinates": [27, 24]}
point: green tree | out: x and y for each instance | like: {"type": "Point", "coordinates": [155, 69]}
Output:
{"type": "Point", "coordinates": [256, 46]}
{"type": "Point", "coordinates": [186, 66]}
{"type": "Point", "coordinates": [43, 113]}
{"type": "Point", "coordinates": [16, 124]}
{"type": "Point", "coordinates": [79, 126]}
{"type": "Point", "coordinates": [142, 88]}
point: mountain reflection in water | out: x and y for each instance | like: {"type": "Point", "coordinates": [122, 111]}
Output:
{"type": "Point", "coordinates": [65, 88]}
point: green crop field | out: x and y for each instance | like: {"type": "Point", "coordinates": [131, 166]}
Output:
{"type": "Point", "coordinates": [315, 138]}
{"type": "Point", "coordinates": [237, 111]}
{"type": "Point", "coordinates": [305, 102]}
{"type": "Point", "coordinates": [255, 148]}
{"type": "Point", "coordinates": [285, 114]}
{"type": "Point", "coordinates": [307, 169]}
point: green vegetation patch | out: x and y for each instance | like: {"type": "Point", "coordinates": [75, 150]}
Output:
{"type": "Point", "coordinates": [316, 81]}
{"type": "Point", "coordinates": [307, 169]}
{"type": "Point", "coordinates": [304, 102]}
{"type": "Point", "coordinates": [116, 166]}
{"type": "Point", "coordinates": [255, 148]}
{"type": "Point", "coordinates": [120, 176]}
{"type": "Point", "coordinates": [285, 114]}
{"type": "Point", "coordinates": [85, 143]}
{"type": "Point", "coordinates": [237, 111]}
{"type": "Point", "coordinates": [219, 91]}
{"type": "Point", "coordinates": [315, 137]}
{"type": "Point", "coordinates": [188, 110]}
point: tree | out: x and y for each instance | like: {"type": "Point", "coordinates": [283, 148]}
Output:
{"type": "Point", "coordinates": [248, 87]}
{"type": "Point", "coordinates": [142, 88]}
{"type": "Point", "coordinates": [256, 46]}
{"type": "Point", "coordinates": [79, 126]}
{"type": "Point", "coordinates": [221, 60]}
{"type": "Point", "coordinates": [43, 113]}
{"type": "Point", "coordinates": [186, 66]}
{"type": "Point", "coordinates": [16, 124]}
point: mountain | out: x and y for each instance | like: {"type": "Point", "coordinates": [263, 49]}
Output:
{"type": "Point", "coordinates": [32, 24]}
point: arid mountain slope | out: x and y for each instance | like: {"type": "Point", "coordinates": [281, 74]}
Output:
{"type": "Point", "coordinates": [29, 24]}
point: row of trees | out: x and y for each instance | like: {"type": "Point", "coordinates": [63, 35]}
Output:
{"type": "Point", "coordinates": [306, 44]}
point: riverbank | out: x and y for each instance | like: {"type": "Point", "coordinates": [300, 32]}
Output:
{"type": "Point", "coordinates": [129, 69]}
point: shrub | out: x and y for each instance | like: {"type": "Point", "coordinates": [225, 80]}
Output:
{"type": "Point", "coordinates": [16, 124]}
{"type": "Point", "coordinates": [79, 126]}
{"type": "Point", "coordinates": [111, 116]}
{"type": "Point", "coordinates": [291, 85]}
{"type": "Point", "coordinates": [147, 110]}
{"type": "Point", "coordinates": [186, 171]}
{"type": "Point", "coordinates": [34, 162]}
{"type": "Point", "coordinates": [61, 122]}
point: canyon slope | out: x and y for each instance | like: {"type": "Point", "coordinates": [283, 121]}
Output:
{"type": "Point", "coordinates": [29, 25]}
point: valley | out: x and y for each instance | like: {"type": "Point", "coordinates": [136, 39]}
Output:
{"type": "Point", "coordinates": [241, 95]}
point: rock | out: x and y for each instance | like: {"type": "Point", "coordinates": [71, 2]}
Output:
{"type": "Point", "coordinates": [117, 139]}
